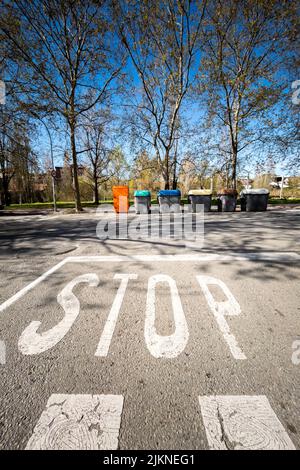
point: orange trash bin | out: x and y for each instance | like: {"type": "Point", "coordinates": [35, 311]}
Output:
{"type": "Point", "coordinates": [121, 198]}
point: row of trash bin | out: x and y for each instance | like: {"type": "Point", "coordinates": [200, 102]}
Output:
{"type": "Point", "coordinates": [169, 200]}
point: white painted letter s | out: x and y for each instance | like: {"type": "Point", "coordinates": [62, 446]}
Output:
{"type": "Point", "coordinates": [31, 342]}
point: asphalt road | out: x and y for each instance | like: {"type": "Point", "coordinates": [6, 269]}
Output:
{"type": "Point", "coordinates": [156, 343]}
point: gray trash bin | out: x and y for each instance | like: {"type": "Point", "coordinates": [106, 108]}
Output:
{"type": "Point", "coordinates": [254, 200]}
{"type": "Point", "coordinates": [142, 202]}
{"type": "Point", "coordinates": [227, 200]}
{"type": "Point", "coordinates": [200, 196]}
{"type": "Point", "coordinates": [169, 200]}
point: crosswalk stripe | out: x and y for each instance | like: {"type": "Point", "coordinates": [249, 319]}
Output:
{"type": "Point", "coordinates": [78, 422]}
{"type": "Point", "coordinates": [242, 423]}
{"type": "Point", "coordinates": [92, 422]}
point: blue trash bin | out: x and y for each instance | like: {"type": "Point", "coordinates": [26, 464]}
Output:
{"type": "Point", "coordinates": [169, 200]}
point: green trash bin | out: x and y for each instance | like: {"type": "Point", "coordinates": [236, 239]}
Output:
{"type": "Point", "coordinates": [200, 196]}
{"type": "Point", "coordinates": [142, 201]}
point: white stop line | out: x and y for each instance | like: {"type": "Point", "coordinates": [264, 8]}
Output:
{"type": "Point", "coordinates": [282, 257]}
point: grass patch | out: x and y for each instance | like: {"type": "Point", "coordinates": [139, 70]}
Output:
{"type": "Point", "coordinates": [290, 200]}
{"type": "Point", "coordinates": [71, 205]}
{"type": "Point", "coordinates": [49, 205]}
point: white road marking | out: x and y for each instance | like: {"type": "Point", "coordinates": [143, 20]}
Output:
{"type": "Point", "coordinates": [32, 284]}
{"type": "Point", "coordinates": [220, 309]}
{"type": "Point", "coordinates": [242, 423]}
{"type": "Point", "coordinates": [78, 422]}
{"type": "Point", "coordinates": [193, 257]}
{"type": "Point", "coordinates": [282, 257]}
{"type": "Point", "coordinates": [2, 353]}
{"type": "Point", "coordinates": [109, 328]}
{"type": "Point", "coordinates": [31, 342]}
{"type": "Point", "coordinates": [165, 346]}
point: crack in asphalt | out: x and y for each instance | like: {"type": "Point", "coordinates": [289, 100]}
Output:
{"type": "Point", "coordinates": [230, 445]}
{"type": "Point", "coordinates": [96, 427]}
{"type": "Point", "coordinates": [57, 404]}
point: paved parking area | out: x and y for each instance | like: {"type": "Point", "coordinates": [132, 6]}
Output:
{"type": "Point", "coordinates": [132, 345]}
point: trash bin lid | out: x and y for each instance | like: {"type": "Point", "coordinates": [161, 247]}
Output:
{"type": "Point", "coordinates": [200, 192]}
{"type": "Point", "coordinates": [254, 191]}
{"type": "Point", "coordinates": [169, 192]}
{"type": "Point", "coordinates": [142, 192]}
{"type": "Point", "coordinates": [228, 192]}
{"type": "Point", "coordinates": [120, 190]}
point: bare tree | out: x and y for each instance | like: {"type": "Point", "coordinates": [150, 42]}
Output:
{"type": "Point", "coordinates": [67, 45]}
{"type": "Point", "coordinates": [95, 141]}
{"type": "Point", "coordinates": [17, 161]}
{"type": "Point", "coordinates": [244, 51]}
{"type": "Point", "coordinates": [16, 156]}
{"type": "Point", "coordinates": [161, 39]}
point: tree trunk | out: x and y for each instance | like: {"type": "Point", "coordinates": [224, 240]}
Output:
{"type": "Point", "coordinates": [233, 166]}
{"type": "Point", "coordinates": [174, 182]}
{"type": "Point", "coordinates": [234, 142]}
{"type": "Point", "coordinates": [167, 172]}
{"type": "Point", "coordinates": [6, 195]}
{"type": "Point", "coordinates": [78, 206]}
{"type": "Point", "coordinates": [96, 192]}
